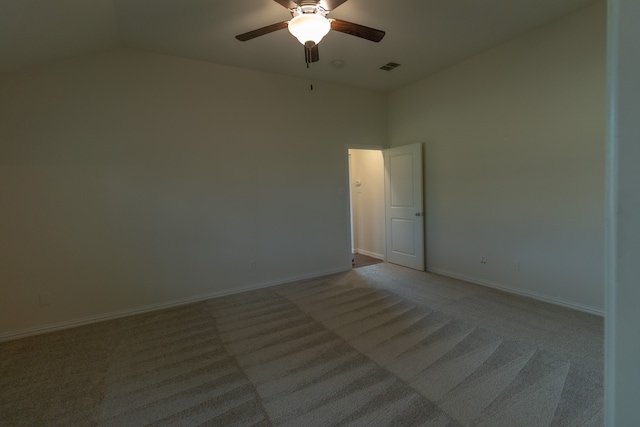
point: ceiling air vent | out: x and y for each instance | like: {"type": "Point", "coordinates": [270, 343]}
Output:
{"type": "Point", "coordinates": [390, 66]}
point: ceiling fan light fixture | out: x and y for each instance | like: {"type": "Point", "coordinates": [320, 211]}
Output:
{"type": "Point", "coordinates": [309, 27]}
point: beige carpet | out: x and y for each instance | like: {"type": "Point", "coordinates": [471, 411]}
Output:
{"type": "Point", "coordinates": [377, 346]}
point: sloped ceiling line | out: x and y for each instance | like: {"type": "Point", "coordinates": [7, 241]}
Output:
{"type": "Point", "coordinates": [423, 35]}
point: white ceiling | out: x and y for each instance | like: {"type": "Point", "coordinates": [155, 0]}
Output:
{"type": "Point", "coordinates": [422, 35]}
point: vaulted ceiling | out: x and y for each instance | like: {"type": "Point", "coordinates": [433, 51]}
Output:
{"type": "Point", "coordinates": [423, 36]}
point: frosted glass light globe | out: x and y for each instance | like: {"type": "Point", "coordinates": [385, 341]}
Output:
{"type": "Point", "coordinates": [309, 27]}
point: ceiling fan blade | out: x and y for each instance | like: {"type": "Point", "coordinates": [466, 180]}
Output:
{"type": "Point", "coordinates": [311, 55]}
{"type": "Point", "coordinates": [331, 4]}
{"type": "Point", "coordinates": [287, 3]}
{"type": "Point", "coordinates": [262, 31]}
{"type": "Point", "coordinates": [357, 30]}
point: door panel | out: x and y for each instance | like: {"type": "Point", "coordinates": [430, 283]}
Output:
{"type": "Point", "coordinates": [401, 189]}
{"type": "Point", "coordinates": [403, 232]}
{"type": "Point", "coordinates": [404, 209]}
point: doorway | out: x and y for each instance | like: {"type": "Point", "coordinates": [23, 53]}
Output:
{"type": "Point", "coordinates": [386, 209]}
{"type": "Point", "coordinates": [366, 189]}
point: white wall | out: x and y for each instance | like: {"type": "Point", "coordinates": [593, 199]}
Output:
{"type": "Point", "coordinates": [514, 146]}
{"type": "Point", "coordinates": [622, 332]}
{"type": "Point", "coordinates": [129, 179]}
{"type": "Point", "coordinates": [367, 166]}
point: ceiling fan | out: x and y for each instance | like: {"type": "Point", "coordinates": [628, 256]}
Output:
{"type": "Point", "coordinates": [309, 24]}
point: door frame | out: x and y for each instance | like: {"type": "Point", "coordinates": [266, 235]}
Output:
{"type": "Point", "coordinates": [348, 192]}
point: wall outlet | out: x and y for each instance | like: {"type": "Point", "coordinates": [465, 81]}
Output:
{"type": "Point", "coordinates": [483, 260]}
{"type": "Point", "coordinates": [252, 266]}
{"type": "Point", "coordinates": [44, 298]}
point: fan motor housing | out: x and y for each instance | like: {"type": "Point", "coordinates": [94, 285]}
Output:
{"type": "Point", "coordinates": [309, 6]}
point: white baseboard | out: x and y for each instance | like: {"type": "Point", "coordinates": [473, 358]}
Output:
{"type": "Point", "coordinates": [534, 295]}
{"type": "Point", "coordinates": [23, 333]}
{"type": "Point", "coordinates": [371, 254]}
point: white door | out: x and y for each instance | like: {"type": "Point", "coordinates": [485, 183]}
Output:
{"type": "Point", "coordinates": [404, 209]}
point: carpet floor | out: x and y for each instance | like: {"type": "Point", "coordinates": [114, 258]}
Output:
{"type": "Point", "coordinates": [377, 346]}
